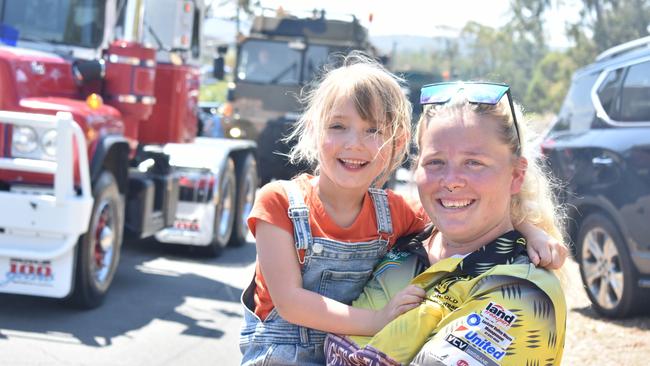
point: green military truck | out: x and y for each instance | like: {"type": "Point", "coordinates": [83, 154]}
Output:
{"type": "Point", "coordinates": [274, 62]}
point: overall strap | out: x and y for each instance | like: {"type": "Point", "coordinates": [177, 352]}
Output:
{"type": "Point", "coordinates": [298, 213]}
{"type": "Point", "coordinates": [382, 211]}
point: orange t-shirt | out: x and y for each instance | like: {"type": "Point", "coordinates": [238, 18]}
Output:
{"type": "Point", "coordinates": [271, 205]}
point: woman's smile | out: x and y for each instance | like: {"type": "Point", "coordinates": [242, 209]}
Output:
{"type": "Point", "coordinates": [456, 203]}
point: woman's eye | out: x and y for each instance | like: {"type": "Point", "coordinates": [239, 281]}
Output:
{"type": "Point", "coordinates": [336, 126]}
{"type": "Point", "coordinates": [474, 163]}
{"type": "Point", "coordinates": [373, 130]}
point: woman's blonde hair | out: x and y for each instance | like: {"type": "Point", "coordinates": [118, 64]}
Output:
{"type": "Point", "coordinates": [378, 98]}
{"type": "Point", "coordinates": [535, 202]}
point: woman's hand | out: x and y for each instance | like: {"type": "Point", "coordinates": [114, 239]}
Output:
{"type": "Point", "coordinates": [409, 298]}
{"type": "Point", "coordinates": [543, 250]}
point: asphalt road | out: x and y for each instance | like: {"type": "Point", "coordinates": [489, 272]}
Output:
{"type": "Point", "coordinates": [167, 306]}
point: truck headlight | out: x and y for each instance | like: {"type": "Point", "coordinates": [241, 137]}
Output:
{"type": "Point", "coordinates": [24, 139]}
{"type": "Point", "coordinates": [48, 142]}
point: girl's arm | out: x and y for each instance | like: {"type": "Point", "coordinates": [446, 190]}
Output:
{"type": "Point", "coordinates": [543, 250]}
{"type": "Point", "coordinates": [279, 265]}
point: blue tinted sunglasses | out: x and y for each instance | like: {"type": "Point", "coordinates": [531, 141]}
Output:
{"type": "Point", "coordinates": [475, 92]}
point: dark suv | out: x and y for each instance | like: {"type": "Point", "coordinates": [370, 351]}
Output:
{"type": "Point", "coordinates": [599, 148]}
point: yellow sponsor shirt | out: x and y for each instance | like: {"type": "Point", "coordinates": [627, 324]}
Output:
{"type": "Point", "coordinates": [484, 315]}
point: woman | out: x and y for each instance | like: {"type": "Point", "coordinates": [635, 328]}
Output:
{"type": "Point", "coordinates": [486, 303]}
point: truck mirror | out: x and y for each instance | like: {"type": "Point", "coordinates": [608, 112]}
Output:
{"type": "Point", "coordinates": [218, 68]}
{"type": "Point", "coordinates": [88, 70]}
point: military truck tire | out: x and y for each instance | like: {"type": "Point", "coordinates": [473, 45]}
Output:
{"type": "Point", "coordinates": [98, 250]}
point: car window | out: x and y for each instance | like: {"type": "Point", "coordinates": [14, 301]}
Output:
{"type": "Point", "coordinates": [577, 112]}
{"type": "Point", "coordinates": [635, 96]}
{"type": "Point", "coordinates": [269, 63]}
{"type": "Point", "coordinates": [315, 57]}
{"type": "Point", "coordinates": [608, 92]}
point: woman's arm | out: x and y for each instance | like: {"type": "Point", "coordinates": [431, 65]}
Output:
{"type": "Point", "coordinates": [279, 265]}
{"type": "Point", "coordinates": [543, 250]}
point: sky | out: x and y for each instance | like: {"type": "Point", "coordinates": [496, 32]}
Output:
{"type": "Point", "coordinates": [424, 17]}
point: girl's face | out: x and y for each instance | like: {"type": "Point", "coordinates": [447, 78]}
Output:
{"type": "Point", "coordinates": [466, 176]}
{"type": "Point", "coordinates": [353, 151]}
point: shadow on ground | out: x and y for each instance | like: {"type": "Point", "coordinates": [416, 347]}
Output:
{"type": "Point", "coordinates": [137, 297]}
{"type": "Point", "coordinates": [641, 322]}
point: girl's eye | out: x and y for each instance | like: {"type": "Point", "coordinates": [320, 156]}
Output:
{"type": "Point", "coordinates": [373, 130]}
{"type": "Point", "coordinates": [474, 163]}
{"type": "Point", "coordinates": [434, 162]}
{"type": "Point", "coordinates": [336, 126]}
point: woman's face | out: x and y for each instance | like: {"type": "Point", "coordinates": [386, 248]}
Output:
{"type": "Point", "coordinates": [466, 176]}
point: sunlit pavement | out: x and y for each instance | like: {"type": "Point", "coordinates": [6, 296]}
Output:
{"type": "Point", "coordinates": [167, 306]}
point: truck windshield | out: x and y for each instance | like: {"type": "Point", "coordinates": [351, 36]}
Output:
{"type": "Point", "coordinates": [275, 62]}
{"type": "Point", "coordinates": [71, 22]}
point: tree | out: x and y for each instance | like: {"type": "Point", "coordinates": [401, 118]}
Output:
{"type": "Point", "coordinates": [613, 22]}
{"type": "Point", "coordinates": [549, 83]}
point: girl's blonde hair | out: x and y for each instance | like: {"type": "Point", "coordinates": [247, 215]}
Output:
{"type": "Point", "coordinates": [535, 202]}
{"type": "Point", "coordinates": [378, 98]}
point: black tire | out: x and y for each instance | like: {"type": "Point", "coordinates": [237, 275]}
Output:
{"type": "Point", "coordinates": [247, 182]}
{"type": "Point", "coordinates": [606, 269]}
{"type": "Point", "coordinates": [224, 215]}
{"type": "Point", "coordinates": [98, 250]}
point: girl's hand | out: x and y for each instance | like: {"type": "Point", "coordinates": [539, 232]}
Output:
{"type": "Point", "coordinates": [543, 250]}
{"type": "Point", "coordinates": [409, 298]}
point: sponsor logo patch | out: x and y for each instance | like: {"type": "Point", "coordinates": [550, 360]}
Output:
{"type": "Point", "coordinates": [480, 342]}
{"type": "Point", "coordinates": [456, 342]}
{"type": "Point", "coordinates": [494, 333]}
{"type": "Point", "coordinates": [498, 315]}
{"type": "Point", "coordinates": [448, 354]}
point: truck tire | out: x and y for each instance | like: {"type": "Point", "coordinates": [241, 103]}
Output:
{"type": "Point", "coordinates": [98, 250]}
{"type": "Point", "coordinates": [607, 271]}
{"type": "Point", "coordinates": [224, 212]}
{"type": "Point", "coordinates": [246, 188]}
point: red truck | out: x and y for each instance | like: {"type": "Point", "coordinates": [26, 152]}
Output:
{"type": "Point", "coordinates": [98, 125]}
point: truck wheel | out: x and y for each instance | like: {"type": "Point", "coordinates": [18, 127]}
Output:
{"type": "Point", "coordinates": [224, 213]}
{"type": "Point", "coordinates": [606, 268]}
{"type": "Point", "coordinates": [246, 188]}
{"type": "Point", "coordinates": [98, 250]}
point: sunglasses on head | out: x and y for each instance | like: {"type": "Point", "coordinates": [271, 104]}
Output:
{"type": "Point", "coordinates": [475, 92]}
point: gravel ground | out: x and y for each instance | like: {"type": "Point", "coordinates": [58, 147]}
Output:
{"type": "Point", "coordinates": [592, 340]}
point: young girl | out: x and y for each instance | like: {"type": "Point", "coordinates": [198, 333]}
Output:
{"type": "Point", "coordinates": [319, 237]}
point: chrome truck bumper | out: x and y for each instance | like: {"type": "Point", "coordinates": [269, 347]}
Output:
{"type": "Point", "coordinates": [39, 228]}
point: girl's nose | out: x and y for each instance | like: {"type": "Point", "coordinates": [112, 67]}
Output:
{"type": "Point", "coordinates": [353, 139]}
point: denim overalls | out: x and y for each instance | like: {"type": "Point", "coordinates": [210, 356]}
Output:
{"type": "Point", "coordinates": [338, 270]}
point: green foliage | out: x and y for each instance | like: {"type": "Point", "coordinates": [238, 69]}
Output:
{"type": "Point", "coordinates": [549, 83]}
{"type": "Point", "coordinates": [215, 92]}
{"type": "Point", "coordinates": [615, 21]}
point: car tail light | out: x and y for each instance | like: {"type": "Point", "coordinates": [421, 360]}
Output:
{"type": "Point", "coordinates": [547, 145]}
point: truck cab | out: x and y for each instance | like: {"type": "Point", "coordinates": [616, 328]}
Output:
{"type": "Point", "coordinates": [98, 126]}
